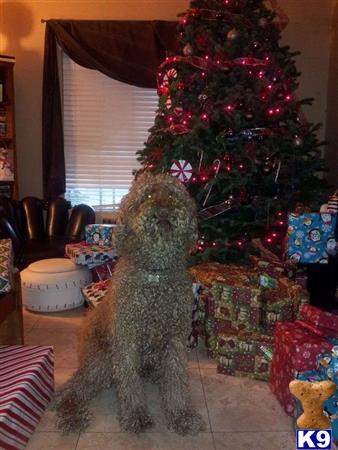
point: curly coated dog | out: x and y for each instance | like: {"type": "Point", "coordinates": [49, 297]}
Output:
{"type": "Point", "coordinates": [140, 329]}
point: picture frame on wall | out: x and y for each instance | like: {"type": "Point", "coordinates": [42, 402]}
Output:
{"type": "Point", "coordinates": [6, 164]}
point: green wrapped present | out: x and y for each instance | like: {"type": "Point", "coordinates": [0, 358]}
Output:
{"type": "Point", "coordinates": [230, 295]}
{"type": "Point", "coordinates": [245, 355]}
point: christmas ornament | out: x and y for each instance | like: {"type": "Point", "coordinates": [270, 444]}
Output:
{"type": "Point", "coordinates": [182, 170]}
{"type": "Point", "coordinates": [216, 165]}
{"type": "Point", "coordinates": [168, 103]}
{"type": "Point", "coordinates": [202, 98]}
{"type": "Point", "coordinates": [200, 161]}
{"type": "Point", "coordinates": [232, 34]}
{"type": "Point", "coordinates": [278, 171]}
{"type": "Point", "coordinates": [187, 50]}
{"type": "Point", "coordinates": [298, 141]}
{"type": "Point", "coordinates": [163, 90]}
{"type": "Point", "coordinates": [216, 210]}
{"type": "Point", "coordinates": [268, 166]}
{"type": "Point", "coordinates": [171, 73]}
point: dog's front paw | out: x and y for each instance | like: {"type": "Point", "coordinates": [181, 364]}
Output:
{"type": "Point", "coordinates": [185, 422]}
{"type": "Point", "coordinates": [72, 415]}
{"type": "Point", "coordinates": [136, 421]}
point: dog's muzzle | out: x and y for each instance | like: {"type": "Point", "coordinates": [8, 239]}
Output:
{"type": "Point", "coordinates": [163, 219]}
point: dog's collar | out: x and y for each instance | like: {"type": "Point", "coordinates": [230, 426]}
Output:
{"type": "Point", "coordinates": [153, 277]}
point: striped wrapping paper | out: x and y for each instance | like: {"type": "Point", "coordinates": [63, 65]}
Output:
{"type": "Point", "coordinates": [26, 387]}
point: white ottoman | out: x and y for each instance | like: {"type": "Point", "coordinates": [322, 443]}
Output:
{"type": "Point", "coordinates": [53, 285]}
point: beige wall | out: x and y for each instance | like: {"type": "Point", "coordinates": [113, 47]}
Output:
{"type": "Point", "coordinates": [22, 35]}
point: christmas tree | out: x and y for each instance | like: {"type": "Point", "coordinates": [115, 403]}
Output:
{"type": "Point", "coordinates": [230, 126]}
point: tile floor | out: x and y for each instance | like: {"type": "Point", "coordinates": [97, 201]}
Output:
{"type": "Point", "coordinates": [240, 414]}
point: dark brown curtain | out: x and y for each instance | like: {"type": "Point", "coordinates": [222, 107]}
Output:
{"type": "Point", "coordinates": [128, 51]}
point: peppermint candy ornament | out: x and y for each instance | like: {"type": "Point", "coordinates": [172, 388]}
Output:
{"type": "Point", "coordinates": [182, 170]}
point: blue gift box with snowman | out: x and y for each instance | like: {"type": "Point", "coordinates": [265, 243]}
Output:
{"type": "Point", "coordinates": [327, 369]}
{"type": "Point", "coordinates": [311, 237]}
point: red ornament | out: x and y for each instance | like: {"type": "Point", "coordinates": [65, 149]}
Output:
{"type": "Point", "coordinates": [163, 90]}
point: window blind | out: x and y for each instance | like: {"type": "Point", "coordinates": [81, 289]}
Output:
{"type": "Point", "coordinates": [105, 123]}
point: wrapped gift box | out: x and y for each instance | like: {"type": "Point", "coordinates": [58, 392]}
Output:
{"type": "Point", "coordinates": [26, 386]}
{"type": "Point", "coordinates": [327, 321]}
{"type": "Point", "coordinates": [281, 304]}
{"type": "Point", "coordinates": [328, 365]}
{"type": "Point", "coordinates": [103, 271]}
{"type": "Point", "coordinates": [6, 265]}
{"type": "Point", "coordinates": [99, 234]}
{"type": "Point", "coordinates": [311, 237]}
{"type": "Point", "coordinates": [274, 270]}
{"type": "Point", "coordinates": [295, 350]}
{"type": "Point", "coordinates": [230, 295]}
{"type": "Point", "coordinates": [89, 255]}
{"type": "Point", "coordinates": [244, 355]}
{"type": "Point", "coordinates": [94, 292]}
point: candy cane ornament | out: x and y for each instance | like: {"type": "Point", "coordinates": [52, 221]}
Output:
{"type": "Point", "coordinates": [216, 165]}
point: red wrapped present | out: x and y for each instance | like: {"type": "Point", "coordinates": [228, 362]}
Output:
{"type": "Point", "coordinates": [324, 320]}
{"type": "Point", "coordinates": [104, 271]}
{"type": "Point", "coordinates": [95, 292]}
{"type": "Point", "coordinates": [26, 386]}
{"type": "Point", "coordinates": [295, 350]}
